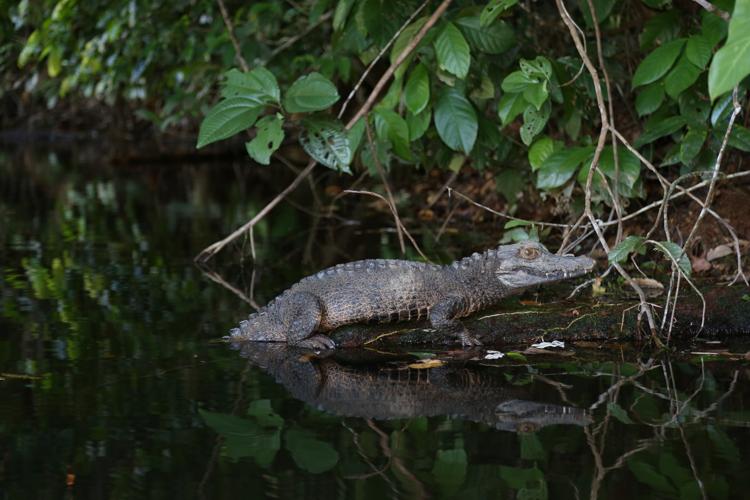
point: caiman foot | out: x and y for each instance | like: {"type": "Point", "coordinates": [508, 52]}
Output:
{"type": "Point", "coordinates": [317, 343]}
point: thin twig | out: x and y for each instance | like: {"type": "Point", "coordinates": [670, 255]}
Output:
{"type": "Point", "coordinates": [502, 214]}
{"type": "Point", "coordinates": [379, 56]}
{"type": "Point", "coordinates": [713, 9]}
{"type": "Point", "coordinates": [325, 17]}
{"type": "Point", "coordinates": [230, 30]}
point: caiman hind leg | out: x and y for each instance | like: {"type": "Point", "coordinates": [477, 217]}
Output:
{"type": "Point", "coordinates": [443, 318]}
{"type": "Point", "coordinates": [301, 314]}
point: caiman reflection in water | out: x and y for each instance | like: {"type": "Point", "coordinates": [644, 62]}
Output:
{"type": "Point", "coordinates": [332, 384]}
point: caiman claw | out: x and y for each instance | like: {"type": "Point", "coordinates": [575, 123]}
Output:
{"type": "Point", "coordinates": [317, 343]}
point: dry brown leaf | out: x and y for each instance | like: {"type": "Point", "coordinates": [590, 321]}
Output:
{"type": "Point", "coordinates": [719, 252]}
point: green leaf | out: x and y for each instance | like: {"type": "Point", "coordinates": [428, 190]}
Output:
{"type": "Point", "coordinates": [726, 448]}
{"type": "Point", "coordinates": [309, 453]}
{"type": "Point", "coordinates": [245, 438]}
{"type": "Point", "coordinates": [560, 166]}
{"type": "Point", "coordinates": [538, 68]}
{"type": "Point", "coordinates": [355, 134]}
{"type": "Point", "coordinates": [326, 142]}
{"type": "Point", "coordinates": [658, 62]}
{"type": "Point", "coordinates": [54, 62]}
{"type": "Point", "coordinates": [456, 121]}
{"type": "Point", "coordinates": [449, 470]}
{"type": "Point", "coordinates": [341, 13]}
{"type": "Point", "coordinates": [647, 474]}
{"type": "Point", "coordinates": [531, 447]}
{"type": "Point", "coordinates": [312, 92]}
{"type": "Point", "coordinates": [602, 8]}
{"type": "Point", "coordinates": [619, 413]}
{"type": "Point", "coordinates": [713, 27]}
{"type": "Point", "coordinates": [732, 62]}
{"type": "Point", "coordinates": [675, 251]}
{"type": "Point", "coordinates": [692, 142]}
{"type": "Point", "coordinates": [536, 94]}
{"type": "Point", "coordinates": [694, 107]}
{"type": "Point", "coordinates": [406, 36]}
{"type": "Point", "coordinates": [681, 77]}
{"type": "Point", "coordinates": [661, 27]}
{"type": "Point", "coordinates": [620, 253]}
{"type": "Point", "coordinates": [452, 50]}
{"type": "Point", "coordinates": [494, 39]}
{"type": "Point", "coordinates": [417, 90]}
{"type": "Point", "coordinates": [540, 151]}
{"type": "Point", "coordinates": [261, 410]}
{"type": "Point", "coordinates": [698, 50]}
{"type": "Point", "coordinates": [267, 139]}
{"type": "Point", "coordinates": [391, 126]}
{"type": "Point", "coordinates": [228, 117]}
{"type": "Point", "coordinates": [534, 121]}
{"type": "Point", "coordinates": [510, 106]}
{"type": "Point", "coordinates": [256, 83]}
{"type": "Point", "coordinates": [418, 124]}
{"type": "Point", "coordinates": [660, 129]}
{"type": "Point", "coordinates": [630, 167]}
{"type": "Point", "coordinates": [649, 99]}
{"type": "Point", "coordinates": [739, 138]}
{"type": "Point", "coordinates": [517, 81]}
{"type": "Point", "coordinates": [493, 9]}
{"type": "Point", "coordinates": [30, 48]}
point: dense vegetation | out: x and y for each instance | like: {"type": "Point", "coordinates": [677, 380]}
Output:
{"type": "Point", "coordinates": [378, 85]}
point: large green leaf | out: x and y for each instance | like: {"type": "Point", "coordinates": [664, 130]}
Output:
{"type": "Point", "coordinates": [682, 76]}
{"type": "Point", "coordinates": [493, 39]}
{"type": "Point", "coordinates": [312, 92]}
{"type": "Point", "coordinates": [649, 99]}
{"type": "Point", "coordinates": [739, 138]}
{"type": "Point", "coordinates": [452, 50]}
{"type": "Point", "coordinates": [418, 124]}
{"type": "Point", "coordinates": [456, 121]}
{"type": "Point", "coordinates": [660, 129]}
{"type": "Point", "coordinates": [540, 151]}
{"type": "Point", "coordinates": [658, 62]}
{"type": "Point", "coordinates": [309, 453]}
{"type": "Point", "coordinates": [647, 474]}
{"type": "Point", "coordinates": [267, 139]}
{"type": "Point", "coordinates": [560, 166]}
{"type": "Point", "coordinates": [403, 40]}
{"type": "Point", "coordinates": [228, 117]}
{"type": "Point", "coordinates": [517, 81]}
{"type": "Point", "coordinates": [692, 142]}
{"type": "Point", "coordinates": [698, 50]}
{"type": "Point", "coordinates": [732, 62]}
{"type": "Point", "coordinates": [258, 82]}
{"type": "Point", "coordinates": [326, 141]}
{"type": "Point", "coordinates": [417, 90]}
{"type": "Point", "coordinates": [493, 9]}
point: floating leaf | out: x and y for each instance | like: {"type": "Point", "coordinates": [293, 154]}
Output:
{"type": "Point", "coordinates": [312, 92]}
{"type": "Point", "coordinates": [326, 142]}
{"type": "Point", "coordinates": [456, 121]}
{"type": "Point", "coordinates": [452, 50]}
{"type": "Point", "coordinates": [244, 437]}
{"type": "Point", "coordinates": [228, 117]}
{"type": "Point", "coordinates": [267, 139]}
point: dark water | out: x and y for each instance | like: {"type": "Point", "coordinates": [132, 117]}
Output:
{"type": "Point", "coordinates": [112, 384]}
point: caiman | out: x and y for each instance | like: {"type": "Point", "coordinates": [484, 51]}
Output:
{"type": "Point", "coordinates": [384, 290]}
{"type": "Point", "coordinates": [460, 389]}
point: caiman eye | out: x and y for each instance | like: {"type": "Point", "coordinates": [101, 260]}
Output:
{"type": "Point", "coordinates": [529, 253]}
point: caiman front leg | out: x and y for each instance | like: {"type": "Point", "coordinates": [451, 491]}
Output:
{"type": "Point", "coordinates": [443, 318]}
{"type": "Point", "coordinates": [301, 314]}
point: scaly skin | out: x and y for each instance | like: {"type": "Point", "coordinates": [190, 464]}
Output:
{"type": "Point", "coordinates": [393, 393]}
{"type": "Point", "coordinates": [380, 290]}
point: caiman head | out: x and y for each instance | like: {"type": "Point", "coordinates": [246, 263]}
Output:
{"type": "Point", "coordinates": [529, 263]}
